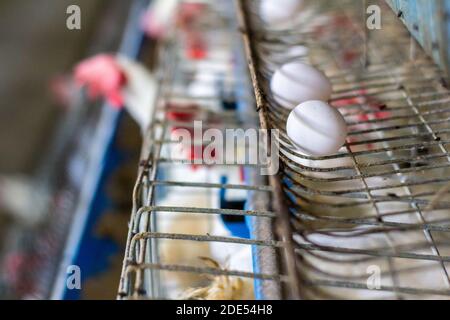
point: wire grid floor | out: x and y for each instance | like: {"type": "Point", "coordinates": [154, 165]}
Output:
{"type": "Point", "coordinates": [373, 220]}
{"type": "Point", "coordinates": [144, 275]}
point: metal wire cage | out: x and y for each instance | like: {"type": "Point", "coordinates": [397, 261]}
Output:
{"type": "Point", "coordinates": [171, 228]}
{"type": "Point", "coordinates": [372, 220]}
{"type": "Point", "coordinates": [368, 222]}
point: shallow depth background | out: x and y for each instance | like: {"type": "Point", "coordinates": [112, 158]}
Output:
{"type": "Point", "coordinates": [37, 54]}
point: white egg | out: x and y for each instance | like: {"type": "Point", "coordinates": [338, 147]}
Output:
{"type": "Point", "coordinates": [316, 128]}
{"type": "Point", "coordinates": [298, 51]}
{"type": "Point", "coordinates": [297, 82]}
{"type": "Point", "coordinates": [277, 12]}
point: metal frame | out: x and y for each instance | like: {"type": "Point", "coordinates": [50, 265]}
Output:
{"type": "Point", "coordinates": [381, 202]}
{"type": "Point", "coordinates": [141, 270]}
{"type": "Point", "coordinates": [324, 199]}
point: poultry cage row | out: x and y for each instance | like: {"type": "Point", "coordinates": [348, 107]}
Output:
{"type": "Point", "coordinates": [370, 222]}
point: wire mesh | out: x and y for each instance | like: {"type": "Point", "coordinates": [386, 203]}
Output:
{"type": "Point", "coordinates": [373, 220]}
{"type": "Point", "coordinates": [377, 210]}
{"type": "Point", "coordinates": [170, 233]}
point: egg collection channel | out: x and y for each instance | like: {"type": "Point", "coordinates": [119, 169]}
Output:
{"type": "Point", "coordinates": [354, 111]}
{"type": "Point", "coordinates": [316, 128]}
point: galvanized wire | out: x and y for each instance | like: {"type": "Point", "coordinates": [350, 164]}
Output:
{"type": "Point", "coordinates": [387, 187]}
{"type": "Point", "coordinates": [144, 274]}
{"type": "Point", "coordinates": [381, 202]}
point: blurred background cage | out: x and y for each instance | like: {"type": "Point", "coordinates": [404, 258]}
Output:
{"type": "Point", "coordinates": [48, 132]}
{"type": "Point", "coordinates": [369, 222]}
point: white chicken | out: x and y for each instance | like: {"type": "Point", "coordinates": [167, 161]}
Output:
{"type": "Point", "coordinates": [224, 287]}
{"type": "Point", "coordinates": [24, 199]}
{"type": "Point", "coordinates": [159, 17]}
{"type": "Point", "coordinates": [228, 256]}
{"type": "Point", "coordinates": [122, 81]}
